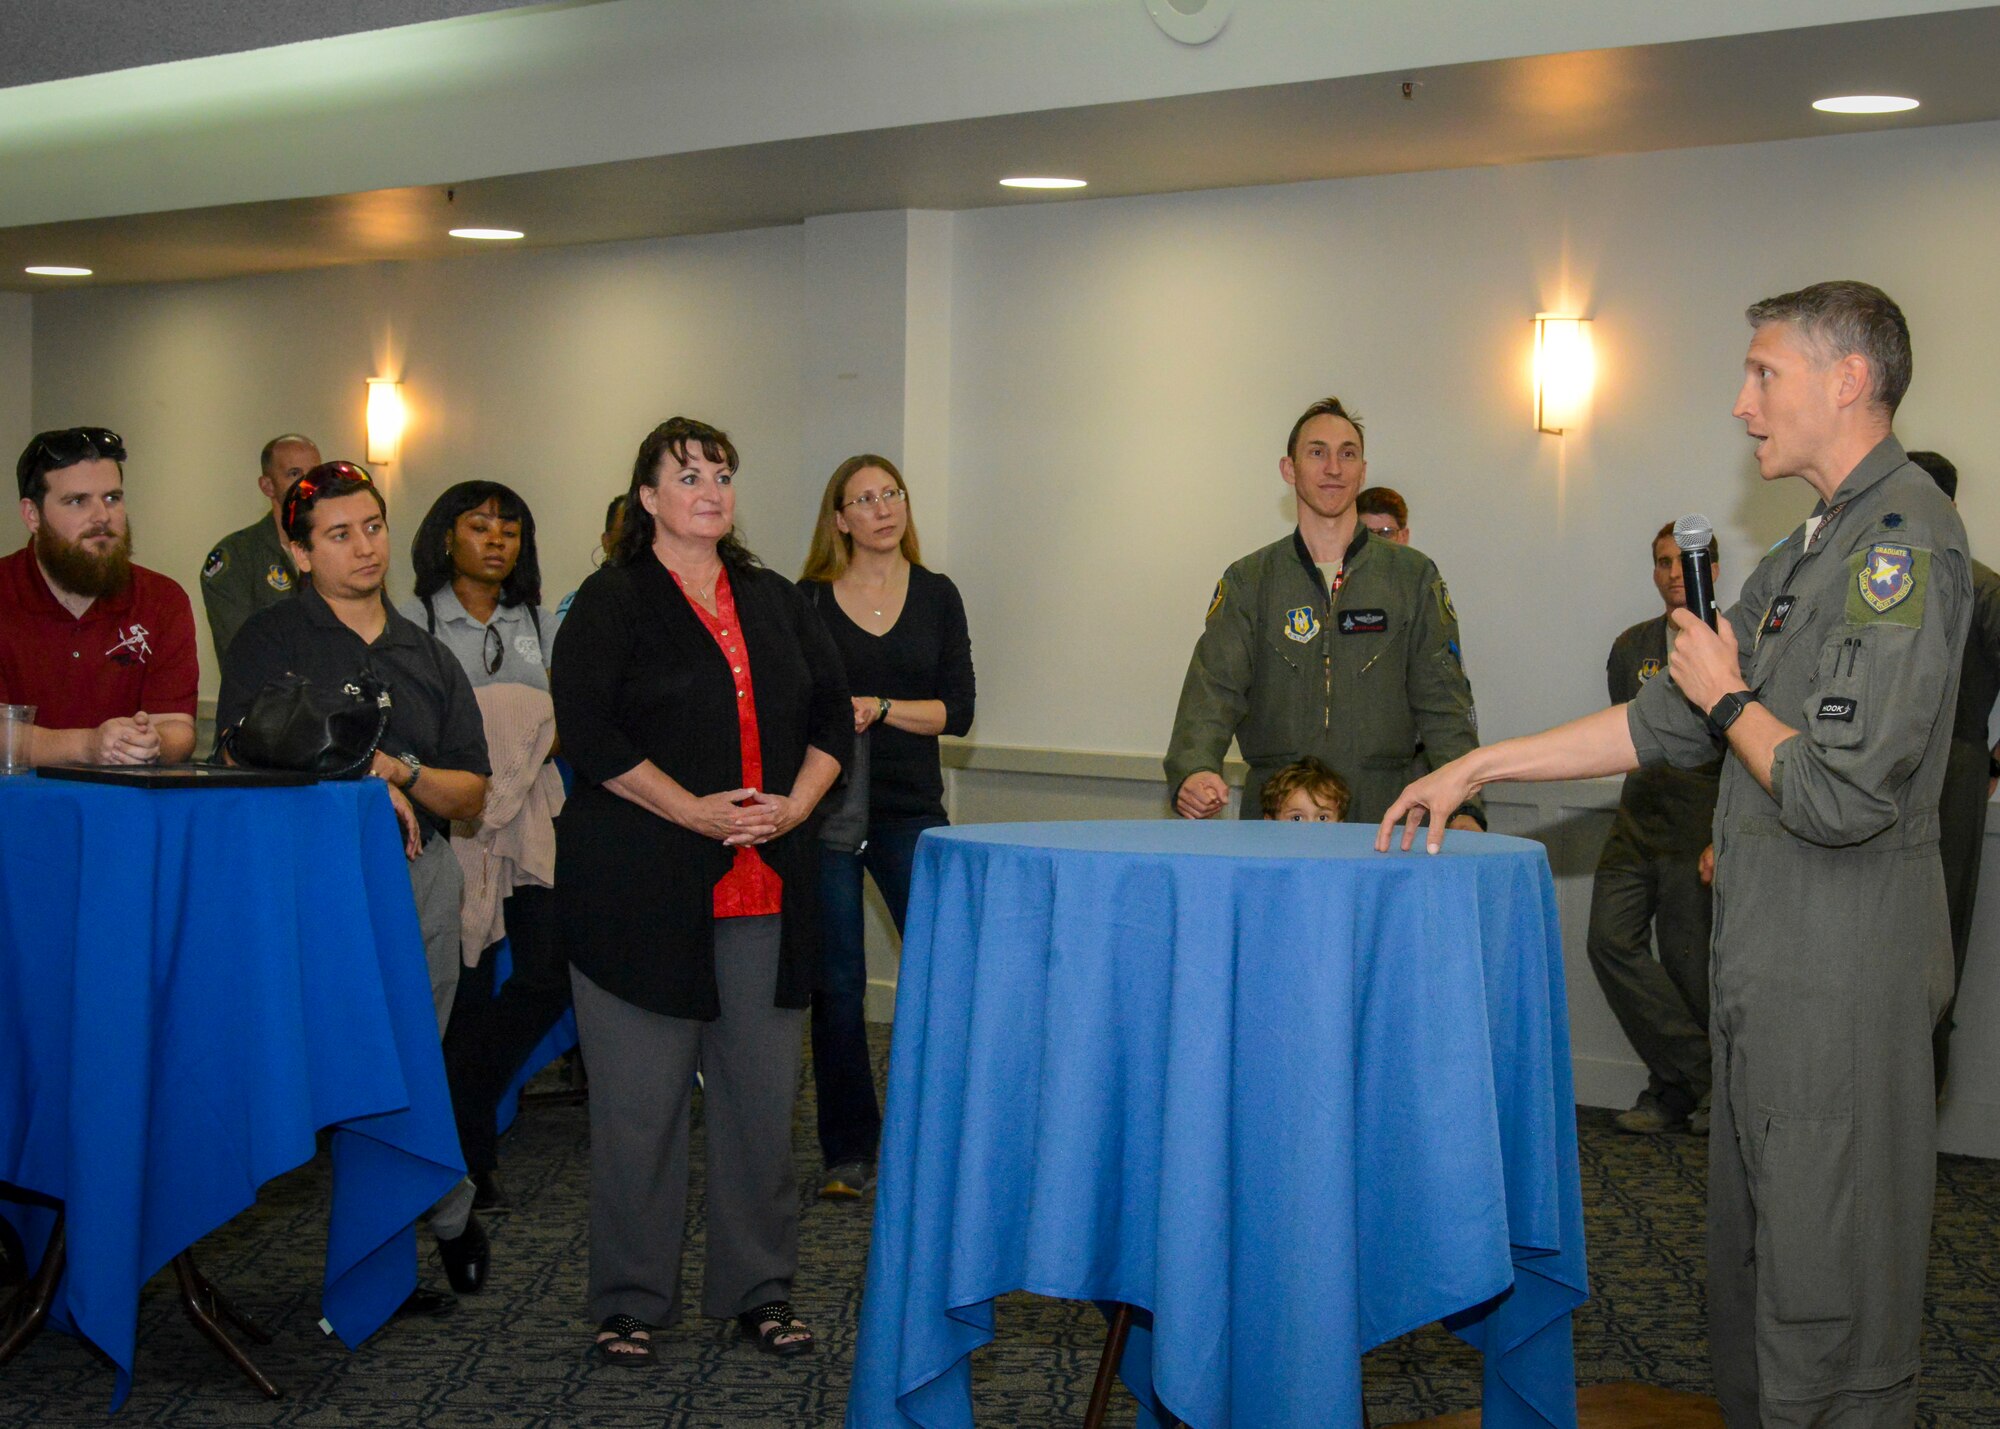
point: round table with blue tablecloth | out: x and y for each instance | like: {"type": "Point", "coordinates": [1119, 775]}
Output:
{"type": "Point", "coordinates": [1291, 1096]}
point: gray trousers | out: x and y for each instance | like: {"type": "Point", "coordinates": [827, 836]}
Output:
{"type": "Point", "coordinates": [642, 1067]}
{"type": "Point", "coordinates": [1661, 1003]}
{"type": "Point", "coordinates": [439, 883]}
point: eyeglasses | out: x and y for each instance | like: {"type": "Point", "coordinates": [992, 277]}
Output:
{"type": "Point", "coordinates": [70, 445]}
{"type": "Point", "coordinates": [307, 488]}
{"type": "Point", "coordinates": [894, 496]}
{"type": "Point", "coordinates": [494, 649]}
{"type": "Point", "coordinates": [1391, 529]}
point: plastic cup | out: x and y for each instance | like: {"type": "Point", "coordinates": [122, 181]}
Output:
{"type": "Point", "coordinates": [15, 721]}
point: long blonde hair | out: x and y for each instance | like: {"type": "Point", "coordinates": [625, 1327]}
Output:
{"type": "Point", "coordinates": [832, 548]}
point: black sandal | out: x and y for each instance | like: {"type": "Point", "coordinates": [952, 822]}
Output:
{"type": "Point", "coordinates": [624, 1339]}
{"type": "Point", "coordinates": [788, 1335]}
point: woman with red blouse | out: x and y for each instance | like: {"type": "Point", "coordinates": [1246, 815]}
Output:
{"type": "Point", "coordinates": [704, 709]}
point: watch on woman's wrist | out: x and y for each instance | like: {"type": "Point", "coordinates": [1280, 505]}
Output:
{"type": "Point", "coordinates": [881, 707]}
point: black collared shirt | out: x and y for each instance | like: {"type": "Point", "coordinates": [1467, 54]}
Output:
{"type": "Point", "coordinates": [432, 712]}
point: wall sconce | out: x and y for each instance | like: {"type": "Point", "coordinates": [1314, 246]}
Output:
{"type": "Point", "coordinates": [385, 419]}
{"type": "Point", "coordinates": [1565, 368]}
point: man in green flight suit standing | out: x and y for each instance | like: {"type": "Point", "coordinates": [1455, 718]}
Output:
{"type": "Point", "coordinates": [1327, 643]}
{"type": "Point", "coordinates": [1652, 882]}
{"type": "Point", "coordinates": [1829, 687]}
{"type": "Point", "coordinates": [250, 569]}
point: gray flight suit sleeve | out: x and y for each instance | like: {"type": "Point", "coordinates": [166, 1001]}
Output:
{"type": "Point", "coordinates": [1879, 688]}
{"type": "Point", "coordinates": [225, 600]}
{"type": "Point", "coordinates": [1215, 696]}
{"type": "Point", "coordinates": [1665, 728]}
{"type": "Point", "coordinates": [1440, 695]}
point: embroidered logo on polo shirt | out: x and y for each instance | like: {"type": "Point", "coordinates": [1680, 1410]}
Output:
{"type": "Point", "coordinates": [527, 647]}
{"type": "Point", "coordinates": [131, 648]}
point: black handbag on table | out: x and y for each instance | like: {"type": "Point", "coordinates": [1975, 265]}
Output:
{"type": "Point", "coordinates": [293, 725]}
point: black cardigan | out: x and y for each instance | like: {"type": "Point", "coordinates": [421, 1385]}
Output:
{"type": "Point", "coordinates": [641, 678]}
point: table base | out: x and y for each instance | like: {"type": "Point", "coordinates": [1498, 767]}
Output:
{"type": "Point", "coordinates": [26, 1312]}
{"type": "Point", "coordinates": [1107, 1374]}
{"type": "Point", "coordinates": [22, 1317]}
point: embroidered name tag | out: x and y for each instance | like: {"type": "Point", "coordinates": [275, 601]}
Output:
{"type": "Point", "coordinates": [1363, 622]}
{"type": "Point", "coordinates": [1774, 618]}
{"type": "Point", "coordinates": [1836, 707]}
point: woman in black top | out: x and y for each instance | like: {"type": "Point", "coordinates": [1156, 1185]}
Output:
{"type": "Point", "coordinates": [902, 635]}
{"type": "Point", "coordinates": [705, 712]}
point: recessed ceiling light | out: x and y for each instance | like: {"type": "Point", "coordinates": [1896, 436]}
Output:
{"type": "Point", "coordinates": [1043, 183]}
{"type": "Point", "coordinates": [1865, 104]}
{"type": "Point", "coordinates": [488, 234]}
{"type": "Point", "coordinates": [52, 270]}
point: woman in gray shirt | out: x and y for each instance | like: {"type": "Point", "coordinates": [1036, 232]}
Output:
{"type": "Point", "coordinates": [479, 591]}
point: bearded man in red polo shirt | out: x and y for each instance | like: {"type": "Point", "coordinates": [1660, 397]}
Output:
{"type": "Point", "coordinates": [102, 648]}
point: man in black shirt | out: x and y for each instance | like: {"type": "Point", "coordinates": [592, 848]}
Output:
{"type": "Point", "coordinates": [1651, 879]}
{"type": "Point", "coordinates": [433, 754]}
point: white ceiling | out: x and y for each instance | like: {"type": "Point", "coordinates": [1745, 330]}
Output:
{"type": "Point", "coordinates": [1731, 89]}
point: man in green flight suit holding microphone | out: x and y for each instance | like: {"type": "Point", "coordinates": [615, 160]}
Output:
{"type": "Point", "coordinates": [1327, 643]}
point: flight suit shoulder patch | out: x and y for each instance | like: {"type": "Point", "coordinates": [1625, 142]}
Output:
{"type": "Point", "coordinates": [1447, 612]}
{"type": "Point", "coordinates": [1888, 584]}
{"type": "Point", "coordinates": [1215, 601]}
{"type": "Point", "coordinates": [216, 564]}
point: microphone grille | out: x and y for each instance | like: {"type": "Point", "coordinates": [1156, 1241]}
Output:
{"type": "Point", "coordinates": [1693, 533]}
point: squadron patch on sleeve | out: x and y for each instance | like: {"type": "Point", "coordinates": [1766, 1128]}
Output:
{"type": "Point", "coordinates": [215, 565]}
{"type": "Point", "coordinates": [1446, 609]}
{"type": "Point", "coordinates": [1888, 585]}
{"type": "Point", "coordinates": [1215, 602]}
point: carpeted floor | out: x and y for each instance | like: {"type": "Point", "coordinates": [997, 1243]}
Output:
{"type": "Point", "coordinates": [516, 1355]}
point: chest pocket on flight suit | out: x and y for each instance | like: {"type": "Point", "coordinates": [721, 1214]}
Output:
{"type": "Point", "coordinates": [1837, 707]}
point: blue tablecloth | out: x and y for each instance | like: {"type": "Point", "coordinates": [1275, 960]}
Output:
{"type": "Point", "coordinates": [191, 983]}
{"type": "Point", "coordinates": [1292, 1096]}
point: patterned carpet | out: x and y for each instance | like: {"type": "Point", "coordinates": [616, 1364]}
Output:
{"type": "Point", "coordinates": [515, 1356]}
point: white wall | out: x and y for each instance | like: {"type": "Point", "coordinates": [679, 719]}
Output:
{"type": "Point", "coordinates": [1125, 373]}
{"type": "Point", "coordinates": [541, 370]}
{"type": "Point", "coordinates": [16, 413]}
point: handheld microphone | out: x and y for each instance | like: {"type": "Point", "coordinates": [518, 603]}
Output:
{"type": "Point", "coordinates": [1693, 535]}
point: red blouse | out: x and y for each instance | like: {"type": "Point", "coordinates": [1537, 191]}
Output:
{"type": "Point", "coordinates": [752, 887]}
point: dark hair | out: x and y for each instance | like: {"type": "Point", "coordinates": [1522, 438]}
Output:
{"type": "Point", "coordinates": [1383, 501]}
{"type": "Point", "coordinates": [674, 438]}
{"type": "Point", "coordinates": [329, 481]}
{"type": "Point", "coordinates": [1846, 317]}
{"type": "Point", "coordinates": [64, 446]}
{"type": "Point", "coordinates": [1941, 471]}
{"type": "Point", "coordinates": [1321, 784]}
{"type": "Point", "coordinates": [611, 512]}
{"type": "Point", "coordinates": [432, 562]}
{"type": "Point", "coordinates": [1324, 407]}
{"type": "Point", "coordinates": [1666, 533]}
{"type": "Point", "coordinates": [289, 439]}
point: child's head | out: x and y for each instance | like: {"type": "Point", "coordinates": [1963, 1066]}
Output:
{"type": "Point", "coordinates": [1305, 793]}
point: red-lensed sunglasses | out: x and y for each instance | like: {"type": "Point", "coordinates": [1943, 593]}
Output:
{"type": "Point", "coordinates": [307, 488]}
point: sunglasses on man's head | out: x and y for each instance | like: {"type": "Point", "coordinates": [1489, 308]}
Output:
{"type": "Point", "coordinates": [309, 486]}
{"type": "Point", "coordinates": [71, 445]}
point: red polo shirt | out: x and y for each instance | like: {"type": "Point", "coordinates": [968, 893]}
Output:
{"type": "Point", "coordinates": [129, 652]}
{"type": "Point", "coordinates": [752, 887]}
